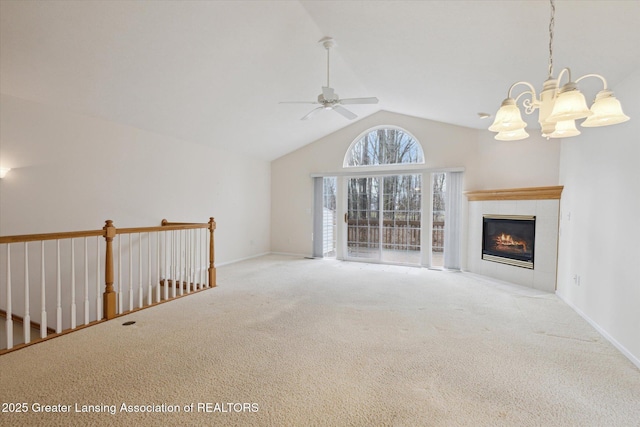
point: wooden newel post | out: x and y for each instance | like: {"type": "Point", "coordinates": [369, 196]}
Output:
{"type": "Point", "coordinates": [109, 296]}
{"type": "Point", "coordinates": [212, 269]}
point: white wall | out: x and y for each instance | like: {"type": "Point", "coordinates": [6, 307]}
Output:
{"type": "Point", "coordinates": [72, 172]}
{"type": "Point", "coordinates": [531, 162]}
{"type": "Point", "coordinates": [488, 164]}
{"type": "Point", "coordinates": [600, 226]}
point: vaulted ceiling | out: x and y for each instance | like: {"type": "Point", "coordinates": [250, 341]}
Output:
{"type": "Point", "coordinates": [213, 72]}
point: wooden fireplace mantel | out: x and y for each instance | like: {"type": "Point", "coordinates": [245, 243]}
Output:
{"type": "Point", "coordinates": [531, 193]}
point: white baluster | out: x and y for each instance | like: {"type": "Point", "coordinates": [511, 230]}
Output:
{"type": "Point", "coordinates": [9, 321]}
{"type": "Point", "coordinates": [174, 262]}
{"type": "Point", "coordinates": [149, 290]}
{"type": "Point", "coordinates": [157, 267]}
{"type": "Point", "coordinates": [166, 265]}
{"type": "Point", "coordinates": [174, 276]}
{"type": "Point", "coordinates": [187, 259]}
{"type": "Point", "coordinates": [130, 274]}
{"type": "Point", "coordinates": [26, 323]}
{"type": "Point", "coordinates": [203, 260]}
{"type": "Point", "coordinates": [43, 293]}
{"type": "Point", "coordinates": [181, 263]}
{"type": "Point", "coordinates": [58, 290]}
{"type": "Point", "coordinates": [185, 264]}
{"type": "Point", "coordinates": [199, 260]}
{"type": "Point", "coordinates": [73, 285]}
{"type": "Point", "coordinates": [86, 282]}
{"type": "Point", "coordinates": [196, 259]}
{"type": "Point", "coordinates": [98, 284]}
{"type": "Point", "coordinates": [139, 269]}
{"type": "Point", "coordinates": [193, 258]}
{"type": "Point", "coordinates": [200, 282]}
{"type": "Point", "coordinates": [120, 309]}
{"type": "Point", "coordinates": [196, 249]}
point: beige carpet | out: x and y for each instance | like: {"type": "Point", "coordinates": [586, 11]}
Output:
{"type": "Point", "coordinates": [297, 342]}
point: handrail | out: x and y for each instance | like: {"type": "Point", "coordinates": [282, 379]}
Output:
{"type": "Point", "coordinates": [49, 236]}
{"type": "Point", "coordinates": [160, 228]}
{"type": "Point", "coordinates": [166, 225]}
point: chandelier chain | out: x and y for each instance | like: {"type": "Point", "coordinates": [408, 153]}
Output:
{"type": "Point", "coordinates": [551, 24]}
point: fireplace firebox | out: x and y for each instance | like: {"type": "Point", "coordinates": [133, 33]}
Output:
{"type": "Point", "coordinates": [509, 239]}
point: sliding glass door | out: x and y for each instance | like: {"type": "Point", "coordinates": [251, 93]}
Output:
{"type": "Point", "coordinates": [384, 219]}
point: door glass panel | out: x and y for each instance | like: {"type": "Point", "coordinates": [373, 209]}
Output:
{"type": "Point", "coordinates": [384, 219]}
{"type": "Point", "coordinates": [363, 229]}
{"type": "Point", "coordinates": [401, 219]}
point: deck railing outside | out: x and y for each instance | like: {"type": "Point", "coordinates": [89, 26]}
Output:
{"type": "Point", "coordinates": [394, 235]}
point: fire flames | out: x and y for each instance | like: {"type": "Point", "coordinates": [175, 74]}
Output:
{"type": "Point", "coordinates": [507, 240]}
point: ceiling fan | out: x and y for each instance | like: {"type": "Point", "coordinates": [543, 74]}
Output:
{"type": "Point", "coordinates": [328, 99]}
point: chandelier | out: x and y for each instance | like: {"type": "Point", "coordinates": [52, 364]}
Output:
{"type": "Point", "coordinates": [559, 107]}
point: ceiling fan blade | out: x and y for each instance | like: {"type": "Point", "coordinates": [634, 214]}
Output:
{"type": "Point", "coordinates": [312, 112]}
{"type": "Point", "coordinates": [346, 113]}
{"type": "Point", "coordinates": [298, 102]}
{"type": "Point", "coordinates": [372, 100]}
{"type": "Point", "coordinates": [328, 93]}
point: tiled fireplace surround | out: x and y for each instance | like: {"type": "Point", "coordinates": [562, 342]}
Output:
{"type": "Point", "coordinates": [544, 204]}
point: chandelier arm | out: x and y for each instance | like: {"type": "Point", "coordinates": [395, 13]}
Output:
{"type": "Point", "coordinates": [564, 70]}
{"type": "Point", "coordinates": [526, 92]}
{"type": "Point", "coordinates": [529, 104]}
{"type": "Point", "coordinates": [533, 90]}
{"type": "Point", "coordinates": [604, 82]}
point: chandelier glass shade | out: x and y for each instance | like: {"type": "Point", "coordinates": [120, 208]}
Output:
{"type": "Point", "coordinates": [558, 107]}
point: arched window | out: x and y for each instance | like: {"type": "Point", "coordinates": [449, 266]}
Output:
{"type": "Point", "coordinates": [384, 146]}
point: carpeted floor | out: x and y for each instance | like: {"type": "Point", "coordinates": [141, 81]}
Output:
{"type": "Point", "coordinates": [297, 342]}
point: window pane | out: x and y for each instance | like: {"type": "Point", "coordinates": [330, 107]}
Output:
{"type": "Point", "coordinates": [385, 146]}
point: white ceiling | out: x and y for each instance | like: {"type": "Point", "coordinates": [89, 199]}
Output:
{"type": "Point", "coordinates": [213, 72]}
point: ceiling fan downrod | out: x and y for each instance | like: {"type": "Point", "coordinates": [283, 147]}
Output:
{"type": "Point", "coordinates": [328, 43]}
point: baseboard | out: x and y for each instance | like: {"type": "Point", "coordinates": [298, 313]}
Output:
{"type": "Point", "coordinates": [241, 259]}
{"type": "Point", "coordinates": [291, 254]}
{"type": "Point", "coordinates": [258, 256]}
{"type": "Point", "coordinates": [602, 332]}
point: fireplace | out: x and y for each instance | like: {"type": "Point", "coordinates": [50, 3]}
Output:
{"type": "Point", "coordinates": [509, 239]}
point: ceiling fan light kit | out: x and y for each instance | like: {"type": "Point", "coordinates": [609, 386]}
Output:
{"type": "Point", "coordinates": [559, 107]}
{"type": "Point", "coordinates": [328, 99]}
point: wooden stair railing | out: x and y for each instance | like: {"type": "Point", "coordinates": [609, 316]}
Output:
{"type": "Point", "coordinates": [177, 268]}
{"type": "Point", "coordinates": [109, 298]}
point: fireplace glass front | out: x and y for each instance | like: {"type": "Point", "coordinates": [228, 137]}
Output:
{"type": "Point", "coordinates": [509, 239]}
